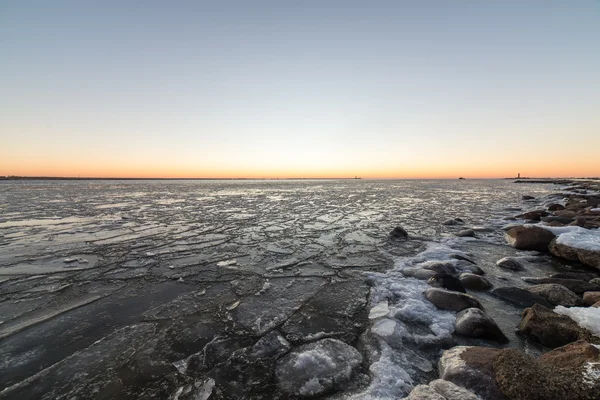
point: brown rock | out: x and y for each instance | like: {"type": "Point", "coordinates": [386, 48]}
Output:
{"type": "Point", "coordinates": [575, 285]}
{"type": "Point", "coordinates": [556, 294]}
{"type": "Point", "coordinates": [535, 215]}
{"type": "Point", "coordinates": [565, 213]}
{"type": "Point", "coordinates": [450, 300]}
{"type": "Point", "coordinates": [555, 207]}
{"type": "Point", "coordinates": [589, 298]}
{"type": "Point", "coordinates": [474, 282]}
{"type": "Point", "coordinates": [572, 355]}
{"type": "Point", "coordinates": [521, 377]}
{"type": "Point", "coordinates": [471, 368]}
{"type": "Point", "coordinates": [529, 237]}
{"type": "Point", "coordinates": [596, 304]}
{"type": "Point", "coordinates": [542, 325]}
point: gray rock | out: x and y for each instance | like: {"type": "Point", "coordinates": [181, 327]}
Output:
{"type": "Point", "coordinates": [424, 392]}
{"type": "Point", "coordinates": [556, 294]}
{"type": "Point", "coordinates": [440, 267]}
{"type": "Point", "coordinates": [451, 391]}
{"type": "Point", "coordinates": [475, 323]}
{"type": "Point", "coordinates": [399, 233]}
{"type": "Point", "coordinates": [474, 282]}
{"type": "Point", "coordinates": [317, 368]}
{"type": "Point", "coordinates": [270, 346]}
{"type": "Point", "coordinates": [466, 233]}
{"type": "Point", "coordinates": [454, 221]}
{"type": "Point", "coordinates": [519, 297]}
{"type": "Point", "coordinates": [510, 263]}
{"type": "Point", "coordinates": [449, 300]}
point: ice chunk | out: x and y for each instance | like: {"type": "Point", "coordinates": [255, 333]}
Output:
{"type": "Point", "coordinates": [380, 310]}
{"type": "Point", "coordinates": [586, 239]}
{"type": "Point", "coordinates": [586, 317]}
{"type": "Point", "coordinates": [317, 367]}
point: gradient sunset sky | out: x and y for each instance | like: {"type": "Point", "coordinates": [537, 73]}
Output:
{"type": "Point", "coordinates": [404, 89]}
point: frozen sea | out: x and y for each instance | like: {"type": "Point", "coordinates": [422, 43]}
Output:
{"type": "Point", "coordinates": [162, 289]}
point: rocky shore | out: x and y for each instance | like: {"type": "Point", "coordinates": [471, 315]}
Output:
{"type": "Point", "coordinates": [560, 310]}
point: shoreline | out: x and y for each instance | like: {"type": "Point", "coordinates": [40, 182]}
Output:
{"type": "Point", "coordinates": [569, 300]}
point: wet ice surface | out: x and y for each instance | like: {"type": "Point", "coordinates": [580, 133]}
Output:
{"type": "Point", "coordinates": [161, 289]}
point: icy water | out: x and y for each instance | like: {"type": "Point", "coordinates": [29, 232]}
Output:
{"type": "Point", "coordinates": [149, 289]}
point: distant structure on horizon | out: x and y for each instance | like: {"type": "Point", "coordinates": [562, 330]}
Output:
{"type": "Point", "coordinates": [518, 175]}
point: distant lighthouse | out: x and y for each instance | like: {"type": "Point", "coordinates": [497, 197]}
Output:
{"type": "Point", "coordinates": [518, 175]}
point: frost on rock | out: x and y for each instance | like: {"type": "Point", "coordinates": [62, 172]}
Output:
{"type": "Point", "coordinates": [317, 368]}
{"type": "Point", "coordinates": [585, 239]}
{"type": "Point", "coordinates": [586, 317]}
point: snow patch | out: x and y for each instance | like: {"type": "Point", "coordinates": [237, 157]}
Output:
{"type": "Point", "coordinates": [586, 317]}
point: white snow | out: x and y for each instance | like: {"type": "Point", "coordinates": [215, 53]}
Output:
{"type": "Point", "coordinates": [586, 317]}
{"type": "Point", "coordinates": [595, 210]}
{"type": "Point", "coordinates": [586, 239]}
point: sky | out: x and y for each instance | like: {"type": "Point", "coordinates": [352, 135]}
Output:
{"type": "Point", "coordinates": [283, 89]}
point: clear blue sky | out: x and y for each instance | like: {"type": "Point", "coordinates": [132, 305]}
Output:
{"type": "Point", "coordinates": [304, 88]}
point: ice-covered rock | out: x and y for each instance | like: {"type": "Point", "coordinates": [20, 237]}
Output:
{"type": "Point", "coordinates": [586, 317]}
{"type": "Point", "coordinates": [317, 368]}
{"type": "Point", "coordinates": [578, 244]}
{"type": "Point", "coordinates": [446, 281]}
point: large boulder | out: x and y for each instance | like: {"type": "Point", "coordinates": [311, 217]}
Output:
{"type": "Point", "coordinates": [566, 373]}
{"type": "Point", "coordinates": [474, 282]}
{"type": "Point", "coordinates": [519, 297]}
{"type": "Point", "coordinates": [473, 322]}
{"type": "Point", "coordinates": [582, 245]}
{"type": "Point", "coordinates": [317, 368]}
{"type": "Point", "coordinates": [471, 368]}
{"type": "Point", "coordinates": [544, 326]}
{"type": "Point", "coordinates": [526, 237]}
{"type": "Point", "coordinates": [575, 285]}
{"type": "Point", "coordinates": [556, 294]}
{"type": "Point", "coordinates": [449, 300]}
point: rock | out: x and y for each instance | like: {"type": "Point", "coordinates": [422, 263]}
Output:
{"type": "Point", "coordinates": [510, 263]}
{"type": "Point", "coordinates": [575, 285]}
{"type": "Point", "coordinates": [472, 269]}
{"type": "Point", "coordinates": [572, 355]}
{"type": "Point", "coordinates": [535, 215]}
{"type": "Point", "coordinates": [562, 220]}
{"type": "Point", "coordinates": [448, 300]}
{"type": "Point", "coordinates": [472, 369]}
{"type": "Point", "coordinates": [595, 281]}
{"type": "Point", "coordinates": [466, 233]}
{"type": "Point", "coordinates": [454, 221]}
{"type": "Point", "coordinates": [520, 297]}
{"type": "Point", "coordinates": [582, 276]}
{"type": "Point", "coordinates": [529, 238]}
{"type": "Point", "coordinates": [474, 282]}
{"type": "Point", "coordinates": [424, 392]}
{"type": "Point", "coordinates": [556, 294]}
{"type": "Point", "coordinates": [418, 273]}
{"type": "Point", "coordinates": [440, 389]}
{"type": "Point", "coordinates": [527, 197]}
{"type": "Point", "coordinates": [589, 298]}
{"type": "Point", "coordinates": [446, 281]}
{"type": "Point", "coordinates": [596, 304]}
{"type": "Point", "coordinates": [544, 326]}
{"type": "Point", "coordinates": [440, 267]}
{"type": "Point", "coordinates": [565, 213]}
{"type": "Point", "coordinates": [317, 368]}
{"type": "Point", "coordinates": [399, 233]}
{"type": "Point", "coordinates": [555, 207]}
{"type": "Point", "coordinates": [475, 323]}
{"type": "Point", "coordinates": [521, 377]}
{"type": "Point", "coordinates": [589, 256]}
{"type": "Point", "coordinates": [451, 391]}
{"type": "Point", "coordinates": [462, 258]}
